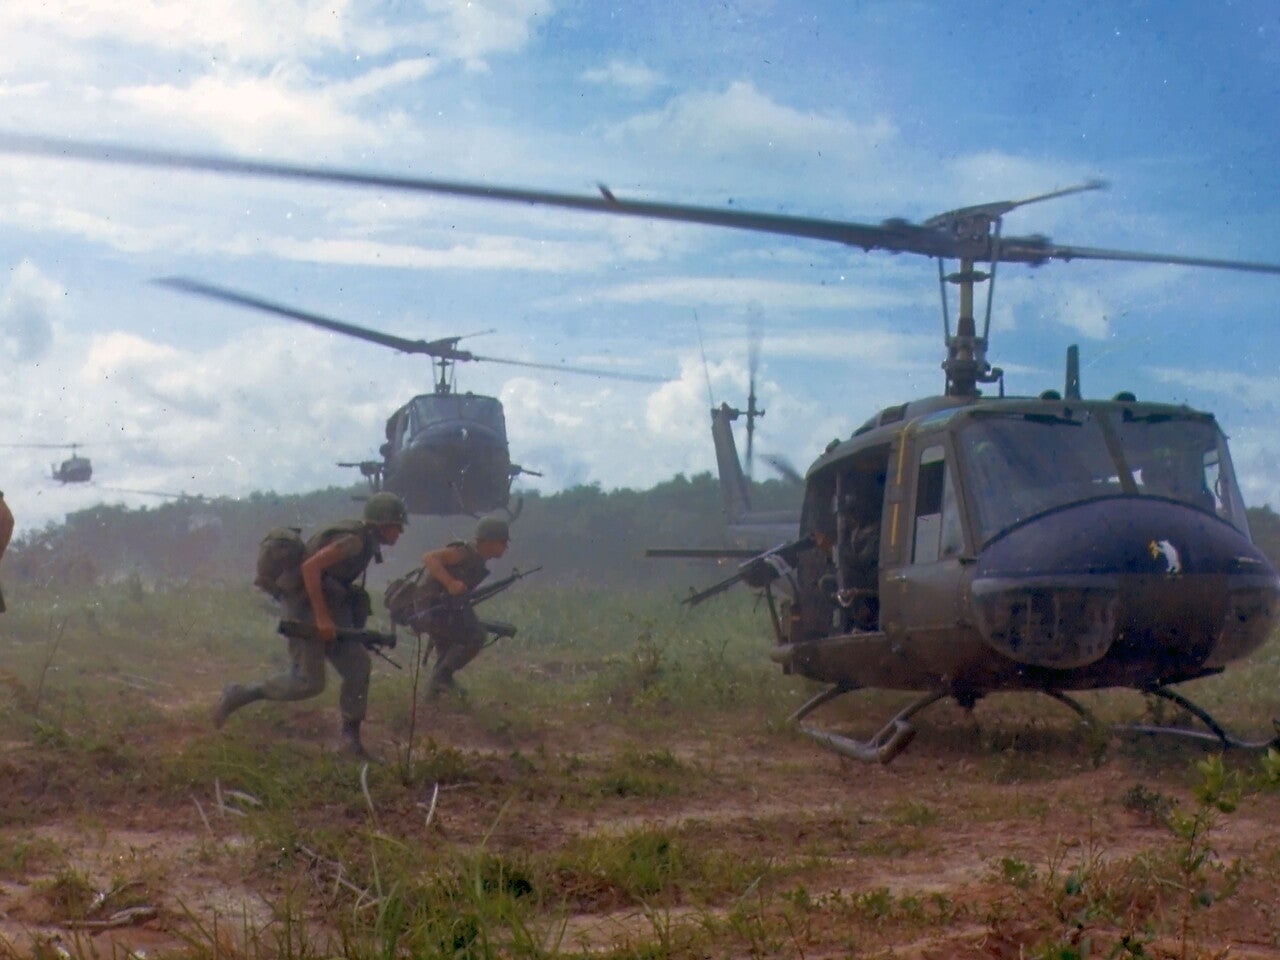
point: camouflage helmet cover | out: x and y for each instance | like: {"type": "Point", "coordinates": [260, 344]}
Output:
{"type": "Point", "coordinates": [493, 528]}
{"type": "Point", "coordinates": [386, 508]}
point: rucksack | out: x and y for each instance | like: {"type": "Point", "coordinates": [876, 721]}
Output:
{"type": "Point", "coordinates": [401, 597]}
{"type": "Point", "coordinates": [280, 556]}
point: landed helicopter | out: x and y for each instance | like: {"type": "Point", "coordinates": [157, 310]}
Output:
{"type": "Point", "coordinates": [963, 545]}
{"type": "Point", "coordinates": [445, 452]}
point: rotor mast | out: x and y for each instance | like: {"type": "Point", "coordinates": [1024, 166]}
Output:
{"type": "Point", "coordinates": [966, 365]}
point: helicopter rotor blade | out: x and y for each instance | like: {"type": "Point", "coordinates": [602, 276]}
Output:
{"type": "Point", "coordinates": [41, 446]}
{"type": "Point", "coordinates": [785, 468]}
{"type": "Point", "coordinates": [993, 211]}
{"type": "Point", "coordinates": [565, 368]}
{"type": "Point", "coordinates": [1038, 250]}
{"type": "Point", "coordinates": [434, 348]}
{"type": "Point", "coordinates": [152, 493]}
{"type": "Point", "coordinates": [755, 315]}
{"type": "Point", "coordinates": [443, 348]}
{"type": "Point", "coordinates": [706, 370]}
{"type": "Point", "coordinates": [898, 235]}
{"type": "Point", "coordinates": [931, 238]}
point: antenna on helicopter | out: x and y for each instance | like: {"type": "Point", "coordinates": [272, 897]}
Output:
{"type": "Point", "coordinates": [1071, 389]}
{"type": "Point", "coordinates": [753, 411]}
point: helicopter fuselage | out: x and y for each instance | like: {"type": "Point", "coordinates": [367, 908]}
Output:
{"type": "Point", "coordinates": [1018, 543]}
{"type": "Point", "coordinates": [73, 470]}
{"type": "Point", "coordinates": [448, 454]}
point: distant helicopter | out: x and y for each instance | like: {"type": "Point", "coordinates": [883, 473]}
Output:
{"type": "Point", "coordinates": [445, 452]}
{"type": "Point", "coordinates": [74, 469]}
{"type": "Point", "coordinates": [963, 545]}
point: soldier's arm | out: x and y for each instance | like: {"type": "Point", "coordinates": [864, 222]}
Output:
{"type": "Point", "coordinates": [313, 569]}
{"type": "Point", "coordinates": [6, 525]}
{"type": "Point", "coordinates": [437, 563]}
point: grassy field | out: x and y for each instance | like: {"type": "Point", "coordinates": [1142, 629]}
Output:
{"type": "Point", "coordinates": [618, 781]}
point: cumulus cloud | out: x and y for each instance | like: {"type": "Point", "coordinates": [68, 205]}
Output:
{"type": "Point", "coordinates": [230, 28]}
{"type": "Point", "coordinates": [29, 305]}
{"type": "Point", "coordinates": [635, 77]}
{"type": "Point", "coordinates": [740, 119]}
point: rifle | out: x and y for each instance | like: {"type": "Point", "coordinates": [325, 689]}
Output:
{"type": "Point", "coordinates": [372, 640]}
{"type": "Point", "coordinates": [481, 594]}
{"type": "Point", "coordinates": [499, 629]}
{"type": "Point", "coordinates": [760, 571]}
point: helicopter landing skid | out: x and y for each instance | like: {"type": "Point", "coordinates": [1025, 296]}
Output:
{"type": "Point", "coordinates": [1216, 734]}
{"type": "Point", "coordinates": [892, 739]}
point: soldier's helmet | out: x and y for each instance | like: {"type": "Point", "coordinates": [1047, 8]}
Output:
{"type": "Point", "coordinates": [386, 508]}
{"type": "Point", "coordinates": [493, 528]}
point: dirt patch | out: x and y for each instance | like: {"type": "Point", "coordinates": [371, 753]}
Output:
{"type": "Point", "coordinates": [955, 850]}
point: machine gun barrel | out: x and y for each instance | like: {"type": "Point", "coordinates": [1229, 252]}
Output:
{"type": "Point", "coordinates": [373, 640]}
{"type": "Point", "coordinates": [760, 571]}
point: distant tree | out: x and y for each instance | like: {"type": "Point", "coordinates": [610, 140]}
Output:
{"type": "Point", "coordinates": [1264, 527]}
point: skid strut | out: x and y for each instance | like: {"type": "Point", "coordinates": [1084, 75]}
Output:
{"type": "Point", "coordinates": [884, 746]}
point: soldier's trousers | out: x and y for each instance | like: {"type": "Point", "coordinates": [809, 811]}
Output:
{"type": "Point", "coordinates": [305, 676]}
{"type": "Point", "coordinates": [458, 638]}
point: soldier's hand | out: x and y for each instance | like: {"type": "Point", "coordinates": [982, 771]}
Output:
{"type": "Point", "coordinates": [326, 630]}
{"type": "Point", "coordinates": [457, 588]}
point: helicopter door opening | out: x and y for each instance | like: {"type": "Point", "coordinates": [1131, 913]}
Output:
{"type": "Point", "coordinates": [859, 509]}
{"type": "Point", "coordinates": [938, 533]}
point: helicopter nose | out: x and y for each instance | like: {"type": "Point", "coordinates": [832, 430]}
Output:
{"type": "Point", "coordinates": [1159, 588]}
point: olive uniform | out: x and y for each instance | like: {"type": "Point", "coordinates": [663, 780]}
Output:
{"type": "Point", "coordinates": [6, 531]}
{"type": "Point", "coordinates": [349, 603]}
{"type": "Point", "coordinates": [455, 630]}
{"type": "Point", "coordinates": [357, 544]}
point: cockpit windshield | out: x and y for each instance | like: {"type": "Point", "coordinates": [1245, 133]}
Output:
{"type": "Point", "coordinates": [1018, 464]}
{"type": "Point", "coordinates": [485, 411]}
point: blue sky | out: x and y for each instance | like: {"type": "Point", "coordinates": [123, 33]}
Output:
{"type": "Point", "coordinates": [859, 111]}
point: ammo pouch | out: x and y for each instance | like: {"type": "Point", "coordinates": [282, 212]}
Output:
{"type": "Point", "coordinates": [350, 597]}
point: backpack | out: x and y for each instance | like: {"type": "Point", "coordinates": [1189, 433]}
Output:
{"type": "Point", "coordinates": [280, 556]}
{"type": "Point", "coordinates": [401, 597]}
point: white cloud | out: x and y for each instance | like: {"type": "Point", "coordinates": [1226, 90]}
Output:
{"type": "Point", "coordinates": [228, 28]}
{"type": "Point", "coordinates": [285, 107]}
{"type": "Point", "coordinates": [473, 32]}
{"type": "Point", "coordinates": [629, 75]}
{"type": "Point", "coordinates": [1260, 393]}
{"type": "Point", "coordinates": [29, 305]}
{"type": "Point", "coordinates": [742, 120]}
{"type": "Point", "coordinates": [741, 291]}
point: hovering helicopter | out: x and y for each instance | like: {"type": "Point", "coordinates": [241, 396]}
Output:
{"type": "Point", "coordinates": [445, 452]}
{"type": "Point", "coordinates": [964, 545]}
{"type": "Point", "coordinates": [74, 469]}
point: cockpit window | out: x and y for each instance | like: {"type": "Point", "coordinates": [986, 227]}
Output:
{"type": "Point", "coordinates": [1182, 458]}
{"type": "Point", "coordinates": [485, 411]}
{"type": "Point", "coordinates": [1019, 465]}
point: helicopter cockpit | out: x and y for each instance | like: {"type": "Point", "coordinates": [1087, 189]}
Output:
{"type": "Point", "coordinates": [471, 407]}
{"type": "Point", "coordinates": [1022, 464]}
{"type": "Point", "coordinates": [425, 411]}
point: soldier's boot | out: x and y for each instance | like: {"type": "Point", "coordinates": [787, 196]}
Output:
{"type": "Point", "coordinates": [234, 696]}
{"type": "Point", "coordinates": [441, 683]}
{"type": "Point", "coordinates": [352, 746]}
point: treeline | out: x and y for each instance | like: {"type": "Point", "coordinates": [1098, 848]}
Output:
{"type": "Point", "coordinates": [584, 535]}
{"type": "Point", "coordinates": [581, 535]}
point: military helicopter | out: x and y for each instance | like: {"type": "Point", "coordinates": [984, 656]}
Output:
{"type": "Point", "coordinates": [963, 545]}
{"type": "Point", "coordinates": [74, 469]}
{"type": "Point", "coordinates": [445, 452]}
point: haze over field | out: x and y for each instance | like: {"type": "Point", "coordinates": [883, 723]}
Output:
{"type": "Point", "coordinates": [857, 111]}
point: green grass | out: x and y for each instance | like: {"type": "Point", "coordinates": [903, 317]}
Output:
{"type": "Point", "coordinates": [607, 706]}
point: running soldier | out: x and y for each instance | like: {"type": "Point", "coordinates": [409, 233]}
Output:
{"type": "Point", "coordinates": [452, 572]}
{"type": "Point", "coordinates": [330, 598]}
